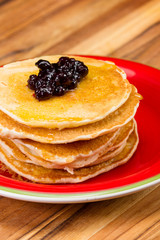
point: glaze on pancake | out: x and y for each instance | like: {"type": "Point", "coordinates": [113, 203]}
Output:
{"type": "Point", "coordinates": [100, 93]}
{"type": "Point", "coordinates": [44, 175]}
{"type": "Point", "coordinates": [10, 128]}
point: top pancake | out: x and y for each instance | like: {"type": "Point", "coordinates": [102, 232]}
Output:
{"type": "Point", "coordinates": [101, 92]}
{"type": "Point", "coordinates": [10, 128]}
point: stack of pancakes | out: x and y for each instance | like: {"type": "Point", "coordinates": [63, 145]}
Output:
{"type": "Point", "coordinates": [88, 131]}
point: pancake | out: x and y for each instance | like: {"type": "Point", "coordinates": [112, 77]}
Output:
{"type": "Point", "coordinates": [90, 161]}
{"type": "Point", "coordinates": [109, 154]}
{"type": "Point", "coordinates": [44, 175]}
{"type": "Point", "coordinates": [11, 149]}
{"type": "Point", "coordinates": [59, 160]}
{"type": "Point", "coordinates": [10, 128]}
{"type": "Point", "coordinates": [9, 173]}
{"type": "Point", "coordinates": [100, 93]}
{"type": "Point", "coordinates": [20, 152]}
{"type": "Point", "coordinates": [67, 153]}
{"type": "Point", "coordinates": [79, 161]}
{"type": "Point", "coordinates": [117, 144]}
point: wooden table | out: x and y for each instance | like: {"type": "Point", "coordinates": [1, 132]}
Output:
{"type": "Point", "coordinates": [118, 28]}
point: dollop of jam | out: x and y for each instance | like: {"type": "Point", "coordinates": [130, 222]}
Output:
{"type": "Point", "coordinates": [55, 79]}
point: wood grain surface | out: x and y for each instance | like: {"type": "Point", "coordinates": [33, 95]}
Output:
{"type": "Point", "coordinates": [117, 28]}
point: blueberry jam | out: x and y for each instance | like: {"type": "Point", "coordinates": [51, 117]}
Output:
{"type": "Point", "coordinates": [55, 79]}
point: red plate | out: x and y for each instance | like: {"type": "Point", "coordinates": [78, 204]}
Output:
{"type": "Point", "coordinates": [145, 164]}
